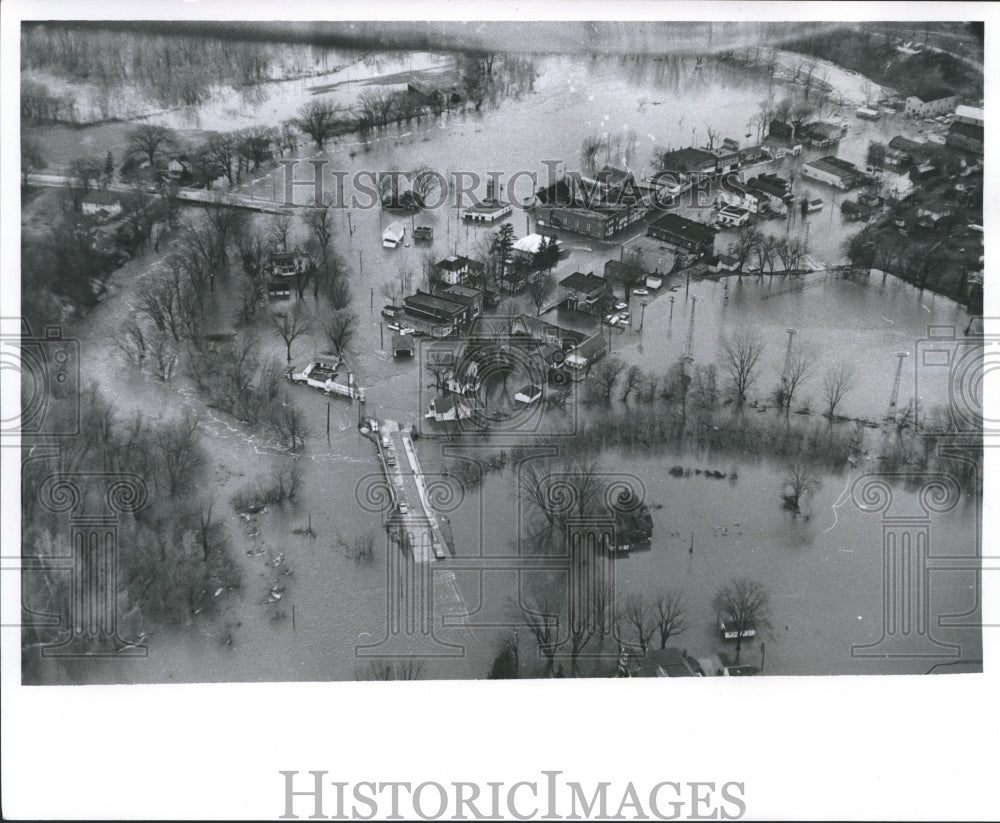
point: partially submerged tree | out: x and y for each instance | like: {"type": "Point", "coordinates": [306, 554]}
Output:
{"type": "Point", "coordinates": [836, 383]}
{"type": "Point", "coordinates": [798, 485]}
{"type": "Point", "coordinates": [741, 351]}
{"type": "Point", "coordinates": [744, 605]}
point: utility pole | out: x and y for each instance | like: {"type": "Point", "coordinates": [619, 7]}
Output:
{"type": "Point", "coordinates": [788, 358]}
{"type": "Point", "coordinates": [689, 346]}
{"type": "Point", "coordinates": [891, 414]}
{"type": "Point", "coordinates": [672, 298]}
{"type": "Point", "coordinates": [361, 263]}
{"type": "Point", "coordinates": [642, 318]}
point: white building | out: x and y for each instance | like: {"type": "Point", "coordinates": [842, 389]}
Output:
{"type": "Point", "coordinates": [933, 106]}
{"type": "Point", "coordinates": [971, 116]}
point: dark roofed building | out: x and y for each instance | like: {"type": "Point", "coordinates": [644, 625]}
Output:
{"type": "Point", "coordinates": [669, 662]}
{"type": "Point", "coordinates": [473, 298]}
{"type": "Point", "coordinates": [583, 292]}
{"type": "Point", "coordinates": [965, 136]}
{"type": "Point", "coordinates": [688, 161]}
{"type": "Point", "coordinates": [689, 235]}
{"type": "Point", "coordinates": [918, 151]}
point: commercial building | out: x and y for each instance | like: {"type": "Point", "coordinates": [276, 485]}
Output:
{"type": "Point", "coordinates": [689, 235]}
{"type": "Point", "coordinates": [965, 136]}
{"type": "Point", "coordinates": [834, 172]}
{"type": "Point", "coordinates": [931, 104]}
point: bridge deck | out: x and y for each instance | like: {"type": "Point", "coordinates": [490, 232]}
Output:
{"type": "Point", "coordinates": [421, 529]}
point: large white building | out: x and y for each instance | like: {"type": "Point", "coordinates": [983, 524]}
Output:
{"type": "Point", "coordinates": [971, 116]}
{"type": "Point", "coordinates": [933, 106]}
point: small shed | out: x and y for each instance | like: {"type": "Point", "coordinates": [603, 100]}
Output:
{"type": "Point", "coordinates": [402, 345]}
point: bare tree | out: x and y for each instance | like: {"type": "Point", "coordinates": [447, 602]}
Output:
{"type": "Point", "coordinates": [603, 378]}
{"type": "Point", "coordinates": [746, 243]}
{"type": "Point", "coordinates": [542, 620]}
{"type": "Point", "coordinates": [636, 614]}
{"type": "Point", "coordinates": [180, 453]}
{"type": "Point", "coordinates": [319, 120]}
{"type": "Point", "coordinates": [744, 605]}
{"type": "Point", "coordinates": [631, 382]}
{"type": "Point", "coordinates": [836, 383]}
{"type": "Point", "coordinates": [741, 352]}
{"type": "Point", "coordinates": [796, 372]}
{"type": "Point", "coordinates": [798, 485]}
{"type": "Point", "coordinates": [150, 141]}
{"type": "Point", "coordinates": [340, 330]}
{"type": "Point", "coordinates": [669, 615]}
{"type": "Point", "coordinates": [540, 289]}
{"type": "Point", "coordinates": [279, 231]}
{"type": "Point", "coordinates": [289, 326]}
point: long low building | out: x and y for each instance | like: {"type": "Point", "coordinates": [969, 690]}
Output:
{"type": "Point", "coordinates": [834, 172]}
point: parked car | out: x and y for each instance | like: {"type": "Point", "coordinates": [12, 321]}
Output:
{"type": "Point", "coordinates": [640, 292]}
{"type": "Point", "coordinates": [621, 305]}
{"type": "Point", "coordinates": [390, 459]}
{"type": "Point", "coordinates": [403, 507]}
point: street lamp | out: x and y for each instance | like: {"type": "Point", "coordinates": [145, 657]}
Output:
{"type": "Point", "coordinates": [642, 317]}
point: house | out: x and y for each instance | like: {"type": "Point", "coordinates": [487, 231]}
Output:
{"type": "Point", "coordinates": [402, 345]}
{"type": "Point", "coordinates": [724, 262]}
{"type": "Point", "coordinates": [772, 184]}
{"type": "Point", "coordinates": [919, 152]}
{"type": "Point", "coordinates": [439, 313]}
{"type": "Point", "coordinates": [528, 394]}
{"type": "Point", "coordinates": [104, 205]}
{"type": "Point", "coordinates": [584, 292]}
{"type": "Point", "coordinates": [289, 263]}
{"type": "Point", "coordinates": [931, 104]}
{"type": "Point", "coordinates": [447, 407]}
{"type": "Point", "coordinates": [965, 136]}
{"type": "Point", "coordinates": [453, 270]}
{"type": "Point", "coordinates": [178, 171]}
{"type": "Point", "coordinates": [820, 135]}
{"type": "Point", "coordinates": [689, 235]}
{"type": "Point", "coordinates": [896, 159]}
{"type": "Point", "coordinates": [733, 216]}
{"type": "Point", "coordinates": [473, 298]}
{"type": "Point", "coordinates": [733, 193]}
{"type": "Point", "coordinates": [834, 172]}
{"type": "Point", "coordinates": [969, 115]}
{"type": "Point", "coordinates": [669, 662]}
{"type": "Point", "coordinates": [489, 210]}
{"type": "Point", "coordinates": [588, 352]}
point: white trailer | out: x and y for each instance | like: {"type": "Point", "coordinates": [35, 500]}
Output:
{"type": "Point", "coordinates": [393, 235]}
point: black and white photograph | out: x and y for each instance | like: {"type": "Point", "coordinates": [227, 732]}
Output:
{"type": "Point", "coordinates": [349, 346]}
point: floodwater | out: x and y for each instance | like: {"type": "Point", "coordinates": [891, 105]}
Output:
{"type": "Point", "coordinates": [824, 573]}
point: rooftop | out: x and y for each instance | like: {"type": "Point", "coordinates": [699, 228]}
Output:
{"type": "Point", "coordinates": [453, 263]}
{"type": "Point", "coordinates": [578, 281]}
{"type": "Point", "coordinates": [430, 303]}
{"type": "Point", "coordinates": [966, 130]}
{"type": "Point", "coordinates": [691, 229]}
{"type": "Point", "coordinates": [969, 112]}
{"type": "Point", "coordinates": [689, 159]}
